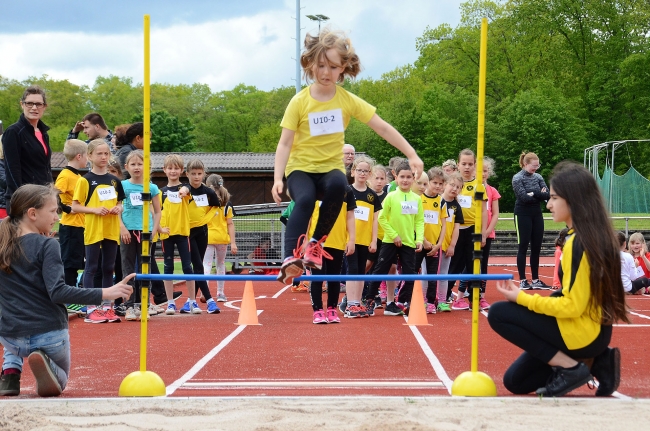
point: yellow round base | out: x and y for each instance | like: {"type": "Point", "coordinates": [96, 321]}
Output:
{"type": "Point", "coordinates": [473, 384]}
{"type": "Point", "coordinates": [142, 384]}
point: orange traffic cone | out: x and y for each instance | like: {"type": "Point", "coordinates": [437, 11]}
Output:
{"type": "Point", "coordinates": [248, 311]}
{"type": "Point", "coordinates": [417, 311]}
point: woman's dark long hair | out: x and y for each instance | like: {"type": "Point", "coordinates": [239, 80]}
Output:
{"type": "Point", "coordinates": [575, 184]}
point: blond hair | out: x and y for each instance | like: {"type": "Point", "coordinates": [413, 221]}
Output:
{"type": "Point", "coordinates": [195, 164]}
{"type": "Point", "coordinates": [73, 147]}
{"type": "Point", "coordinates": [525, 158]}
{"type": "Point", "coordinates": [173, 160]}
{"type": "Point", "coordinates": [436, 172]}
{"type": "Point", "coordinates": [454, 176]}
{"type": "Point", "coordinates": [92, 145]}
{"type": "Point", "coordinates": [316, 48]}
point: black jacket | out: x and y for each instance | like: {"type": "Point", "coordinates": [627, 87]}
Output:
{"type": "Point", "coordinates": [26, 162]}
{"type": "Point", "coordinates": [3, 184]}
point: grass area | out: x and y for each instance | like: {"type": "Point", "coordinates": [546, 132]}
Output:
{"type": "Point", "coordinates": [506, 222]}
{"type": "Point", "coordinates": [178, 269]}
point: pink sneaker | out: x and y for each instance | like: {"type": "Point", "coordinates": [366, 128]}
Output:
{"type": "Point", "coordinates": [431, 308]}
{"type": "Point", "coordinates": [319, 317]}
{"type": "Point", "coordinates": [460, 304]}
{"type": "Point", "coordinates": [383, 291]}
{"type": "Point", "coordinates": [332, 315]}
{"type": "Point", "coordinates": [314, 254]}
{"type": "Point", "coordinates": [483, 304]}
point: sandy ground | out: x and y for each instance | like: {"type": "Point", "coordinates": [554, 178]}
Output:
{"type": "Point", "coordinates": [331, 413]}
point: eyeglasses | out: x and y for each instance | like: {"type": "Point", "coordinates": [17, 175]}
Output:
{"type": "Point", "coordinates": [362, 171]}
{"type": "Point", "coordinates": [30, 105]}
{"type": "Point", "coordinates": [536, 166]}
{"type": "Point", "coordinates": [348, 154]}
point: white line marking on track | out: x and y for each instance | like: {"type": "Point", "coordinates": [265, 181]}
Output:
{"type": "Point", "coordinates": [203, 361]}
{"type": "Point", "coordinates": [639, 314]}
{"type": "Point", "coordinates": [433, 359]}
{"type": "Point", "coordinates": [229, 304]}
{"type": "Point", "coordinates": [281, 291]}
{"type": "Point", "coordinates": [631, 325]}
{"type": "Point", "coordinates": [313, 384]}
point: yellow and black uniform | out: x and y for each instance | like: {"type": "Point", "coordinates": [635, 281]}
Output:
{"type": "Point", "coordinates": [365, 214]}
{"type": "Point", "coordinates": [454, 215]}
{"type": "Point", "coordinates": [176, 217]}
{"type": "Point", "coordinates": [543, 326]}
{"type": "Point", "coordinates": [335, 246]}
{"type": "Point", "coordinates": [218, 225]}
{"type": "Point", "coordinates": [71, 226]}
{"type": "Point", "coordinates": [433, 222]}
{"type": "Point", "coordinates": [95, 191]}
{"type": "Point", "coordinates": [466, 198]}
{"type": "Point", "coordinates": [202, 207]}
{"type": "Point", "coordinates": [380, 234]}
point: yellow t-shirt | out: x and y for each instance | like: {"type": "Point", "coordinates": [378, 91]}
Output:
{"type": "Point", "coordinates": [466, 198]}
{"type": "Point", "coordinates": [94, 191]}
{"type": "Point", "coordinates": [338, 236]}
{"type": "Point", "coordinates": [218, 225]}
{"type": "Point", "coordinates": [453, 215]}
{"type": "Point", "coordinates": [433, 217]}
{"type": "Point", "coordinates": [202, 206]}
{"type": "Point", "coordinates": [367, 210]}
{"type": "Point", "coordinates": [319, 126]}
{"type": "Point", "coordinates": [65, 183]}
{"type": "Point", "coordinates": [175, 214]}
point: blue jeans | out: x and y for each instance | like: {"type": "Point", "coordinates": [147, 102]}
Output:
{"type": "Point", "coordinates": [55, 344]}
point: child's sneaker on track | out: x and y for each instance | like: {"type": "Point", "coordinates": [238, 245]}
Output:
{"type": "Point", "coordinates": [47, 385]}
{"type": "Point", "coordinates": [120, 310]}
{"type": "Point", "coordinates": [368, 308]}
{"type": "Point", "coordinates": [213, 308]}
{"type": "Point", "coordinates": [443, 307]}
{"type": "Point", "coordinates": [96, 316]}
{"type": "Point", "coordinates": [431, 308]}
{"type": "Point", "coordinates": [378, 303]}
{"type": "Point", "coordinates": [344, 304]}
{"type": "Point", "coordinates": [111, 316]}
{"type": "Point", "coordinates": [300, 288]}
{"type": "Point", "coordinates": [314, 254]}
{"type": "Point", "coordinates": [319, 317]}
{"type": "Point", "coordinates": [332, 315]}
{"type": "Point", "coordinates": [483, 304]}
{"type": "Point", "coordinates": [185, 309]}
{"type": "Point", "coordinates": [525, 285]}
{"type": "Point", "coordinates": [171, 309]}
{"type": "Point", "coordinates": [460, 304]}
{"type": "Point", "coordinates": [130, 315]}
{"type": "Point", "coordinates": [353, 311]}
{"type": "Point", "coordinates": [540, 285]}
{"type": "Point", "coordinates": [392, 310]}
{"type": "Point", "coordinates": [195, 307]}
{"type": "Point", "coordinates": [221, 297]}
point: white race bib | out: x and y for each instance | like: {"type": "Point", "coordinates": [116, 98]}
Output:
{"type": "Point", "coordinates": [173, 197]}
{"type": "Point", "coordinates": [106, 193]}
{"type": "Point", "coordinates": [464, 201]}
{"type": "Point", "coordinates": [362, 213]}
{"type": "Point", "coordinates": [450, 215]}
{"type": "Point", "coordinates": [136, 199]}
{"type": "Point", "coordinates": [639, 272]}
{"type": "Point", "coordinates": [326, 122]}
{"type": "Point", "coordinates": [201, 200]}
{"type": "Point", "coordinates": [431, 217]}
{"type": "Point", "coordinates": [409, 207]}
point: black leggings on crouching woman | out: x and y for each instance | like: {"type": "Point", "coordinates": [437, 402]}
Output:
{"type": "Point", "coordinates": [540, 338]}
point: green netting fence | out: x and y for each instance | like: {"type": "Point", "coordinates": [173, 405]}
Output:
{"type": "Point", "coordinates": [627, 193]}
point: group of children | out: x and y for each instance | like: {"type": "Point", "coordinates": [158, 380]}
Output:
{"type": "Point", "coordinates": [401, 226]}
{"type": "Point", "coordinates": [101, 227]}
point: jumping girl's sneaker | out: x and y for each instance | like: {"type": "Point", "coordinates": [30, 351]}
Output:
{"type": "Point", "coordinates": [332, 315]}
{"type": "Point", "coordinates": [319, 317]}
{"type": "Point", "coordinates": [314, 254]}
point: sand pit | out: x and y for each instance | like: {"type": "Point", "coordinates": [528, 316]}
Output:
{"type": "Point", "coordinates": [331, 413]}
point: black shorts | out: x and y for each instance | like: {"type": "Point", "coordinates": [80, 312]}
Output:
{"type": "Point", "coordinates": [372, 257]}
{"type": "Point", "coordinates": [71, 240]}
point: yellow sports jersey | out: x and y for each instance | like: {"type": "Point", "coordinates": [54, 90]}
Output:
{"type": "Point", "coordinates": [218, 225]}
{"type": "Point", "coordinates": [319, 126]}
{"type": "Point", "coordinates": [202, 206]}
{"type": "Point", "coordinates": [175, 214]}
{"type": "Point", "coordinates": [95, 191]}
{"type": "Point", "coordinates": [454, 215]}
{"type": "Point", "coordinates": [579, 324]}
{"type": "Point", "coordinates": [365, 213]}
{"type": "Point", "coordinates": [433, 217]}
{"type": "Point", "coordinates": [338, 236]}
{"type": "Point", "coordinates": [65, 183]}
{"type": "Point", "coordinates": [465, 199]}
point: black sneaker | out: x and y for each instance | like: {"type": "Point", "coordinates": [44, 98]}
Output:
{"type": "Point", "coordinates": [392, 310]}
{"type": "Point", "coordinates": [564, 380]}
{"type": "Point", "coordinates": [525, 285]}
{"type": "Point", "coordinates": [353, 312]}
{"type": "Point", "coordinates": [10, 384]}
{"type": "Point", "coordinates": [378, 303]}
{"type": "Point", "coordinates": [607, 369]}
{"type": "Point", "coordinates": [120, 310]}
{"type": "Point", "coordinates": [344, 303]}
{"type": "Point", "coordinates": [540, 285]}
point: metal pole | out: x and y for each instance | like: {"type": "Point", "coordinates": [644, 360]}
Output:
{"type": "Point", "coordinates": [298, 86]}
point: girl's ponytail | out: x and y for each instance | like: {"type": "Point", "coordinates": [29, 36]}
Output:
{"type": "Point", "coordinates": [10, 249]}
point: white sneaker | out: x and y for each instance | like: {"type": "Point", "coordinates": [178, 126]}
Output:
{"type": "Point", "coordinates": [130, 314]}
{"type": "Point", "coordinates": [221, 297]}
{"type": "Point", "coordinates": [195, 308]}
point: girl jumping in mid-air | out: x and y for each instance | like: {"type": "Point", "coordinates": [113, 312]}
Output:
{"type": "Point", "coordinates": [311, 144]}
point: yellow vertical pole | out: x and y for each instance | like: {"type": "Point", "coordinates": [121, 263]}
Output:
{"type": "Point", "coordinates": [474, 383]}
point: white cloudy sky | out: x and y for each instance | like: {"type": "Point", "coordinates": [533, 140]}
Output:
{"type": "Point", "coordinates": [217, 42]}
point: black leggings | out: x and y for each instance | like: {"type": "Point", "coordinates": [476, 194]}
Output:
{"type": "Point", "coordinates": [462, 262]}
{"type": "Point", "coordinates": [182, 244]}
{"type": "Point", "coordinates": [198, 245]}
{"type": "Point", "coordinates": [108, 249]}
{"type": "Point", "coordinates": [432, 268]}
{"type": "Point", "coordinates": [386, 259]}
{"type": "Point", "coordinates": [639, 284]}
{"type": "Point", "coordinates": [357, 260]}
{"type": "Point", "coordinates": [530, 230]}
{"type": "Point", "coordinates": [330, 267]}
{"type": "Point", "coordinates": [305, 189]}
{"type": "Point", "coordinates": [540, 338]}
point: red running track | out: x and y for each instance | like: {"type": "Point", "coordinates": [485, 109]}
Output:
{"type": "Point", "coordinates": [209, 355]}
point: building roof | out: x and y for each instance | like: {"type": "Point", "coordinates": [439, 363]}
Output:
{"type": "Point", "coordinates": [222, 162]}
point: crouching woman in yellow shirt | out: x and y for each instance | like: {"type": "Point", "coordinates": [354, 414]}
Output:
{"type": "Point", "coordinates": [566, 333]}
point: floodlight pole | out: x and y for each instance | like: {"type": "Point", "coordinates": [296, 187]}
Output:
{"type": "Point", "coordinates": [298, 82]}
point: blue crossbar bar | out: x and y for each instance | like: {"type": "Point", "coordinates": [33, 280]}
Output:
{"type": "Point", "coordinates": [424, 277]}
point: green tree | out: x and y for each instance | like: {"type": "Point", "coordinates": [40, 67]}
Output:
{"type": "Point", "coordinates": [168, 134]}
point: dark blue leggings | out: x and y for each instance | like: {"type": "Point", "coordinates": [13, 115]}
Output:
{"type": "Point", "coordinates": [108, 250]}
{"type": "Point", "coordinates": [182, 244]}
